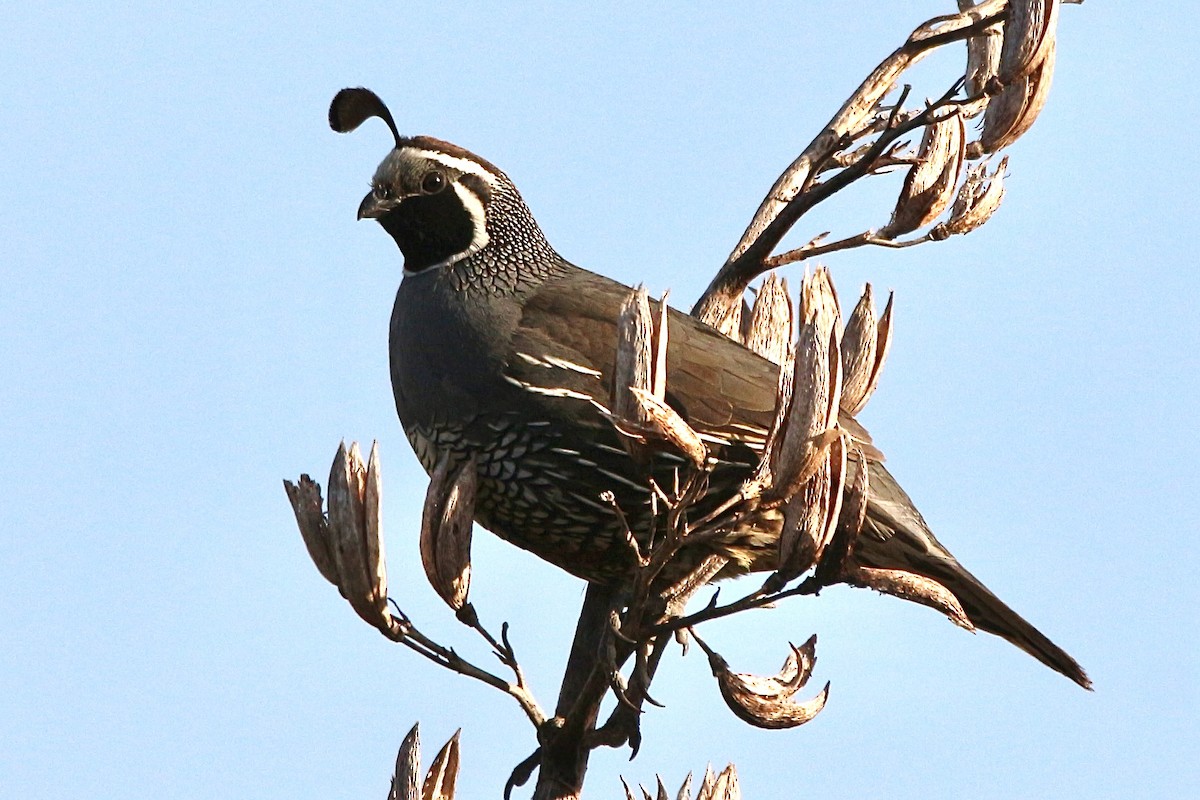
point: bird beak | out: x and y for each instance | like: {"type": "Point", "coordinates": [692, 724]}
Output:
{"type": "Point", "coordinates": [374, 205]}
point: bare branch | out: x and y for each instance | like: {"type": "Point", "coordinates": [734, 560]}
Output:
{"type": "Point", "coordinates": [788, 201]}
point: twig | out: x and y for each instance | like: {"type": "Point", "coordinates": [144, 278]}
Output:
{"type": "Point", "coordinates": [787, 201]}
{"type": "Point", "coordinates": [405, 633]}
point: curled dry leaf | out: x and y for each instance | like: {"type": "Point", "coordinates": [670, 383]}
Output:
{"type": "Point", "coordinates": [910, 586]}
{"type": "Point", "coordinates": [446, 530]}
{"type": "Point", "coordinates": [1029, 33]}
{"type": "Point", "coordinates": [766, 702]}
{"type": "Point", "coordinates": [865, 346]}
{"type": "Point", "coordinates": [816, 390]}
{"type": "Point", "coordinates": [977, 200]}
{"type": "Point", "coordinates": [443, 773]}
{"type": "Point", "coordinates": [770, 332]}
{"type": "Point", "coordinates": [929, 185]}
{"type": "Point", "coordinates": [310, 517]}
{"type": "Point", "coordinates": [406, 781]}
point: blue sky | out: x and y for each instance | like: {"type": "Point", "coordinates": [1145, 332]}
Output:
{"type": "Point", "coordinates": [190, 314]}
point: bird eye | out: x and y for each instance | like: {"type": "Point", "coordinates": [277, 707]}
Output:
{"type": "Point", "coordinates": [433, 182]}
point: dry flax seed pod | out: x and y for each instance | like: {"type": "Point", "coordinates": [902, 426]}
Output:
{"type": "Point", "coordinates": [763, 476]}
{"type": "Point", "coordinates": [443, 773]}
{"type": "Point", "coordinates": [1001, 116]}
{"type": "Point", "coordinates": [770, 332]}
{"type": "Point", "coordinates": [1037, 83]}
{"type": "Point", "coordinates": [859, 342]}
{"type": "Point", "coordinates": [406, 780]}
{"type": "Point", "coordinates": [446, 522]}
{"type": "Point", "coordinates": [1011, 113]}
{"type": "Point", "coordinates": [658, 372]}
{"type": "Point", "coordinates": [929, 185]}
{"type": "Point", "coordinates": [977, 201]}
{"type": "Point", "coordinates": [832, 566]}
{"type": "Point", "coordinates": [816, 388]}
{"type": "Point", "coordinates": [347, 526]}
{"type": "Point", "coordinates": [913, 587]}
{"type": "Point", "coordinates": [983, 55]}
{"type": "Point", "coordinates": [865, 346]}
{"type": "Point", "coordinates": [1029, 32]}
{"type": "Point", "coordinates": [635, 354]}
{"type": "Point", "coordinates": [803, 514]}
{"type": "Point", "coordinates": [373, 521]}
{"type": "Point", "coordinates": [766, 702]}
{"type": "Point", "coordinates": [310, 517]}
{"type": "Point", "coordinates": [663, 422]}
{"type": "Point", "coordinates": [726, 786]}
{"type": "Point", "coordinates": [810, 516]}
{"type": "Point", "coordinates": [685, 791]}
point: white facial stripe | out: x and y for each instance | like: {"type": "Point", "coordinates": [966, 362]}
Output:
{"type": "Point", "coordinates": [456, 163]}
{"type": "Point", "coordinates": [475, 208]}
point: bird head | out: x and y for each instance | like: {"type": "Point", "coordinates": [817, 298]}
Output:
{"type": "Point", "coordinates": [434, 198]}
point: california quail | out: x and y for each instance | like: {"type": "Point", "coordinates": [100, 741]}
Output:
{"type": "Point", "coordinates": [499, 347]}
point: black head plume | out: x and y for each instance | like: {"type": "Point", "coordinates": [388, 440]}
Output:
{"type": "Point", "coordinates": [352, 107]}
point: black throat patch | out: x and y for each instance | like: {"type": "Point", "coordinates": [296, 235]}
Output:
{"type": "Point", "coordinates": [430, 229]}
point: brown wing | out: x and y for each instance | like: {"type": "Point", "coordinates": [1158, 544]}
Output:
{"type": "Point", "coordinates": [719, 386]}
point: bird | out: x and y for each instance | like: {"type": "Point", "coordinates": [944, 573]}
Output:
{"type": "Point", "coordinates": [501, 350]}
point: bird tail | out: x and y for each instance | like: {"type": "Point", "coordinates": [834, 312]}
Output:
{"type": "Point", "coordinates": [895, 536]}
{"type": "Point", "coordinates": [989, 613]}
